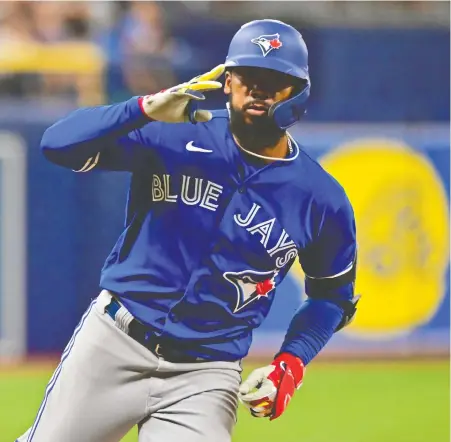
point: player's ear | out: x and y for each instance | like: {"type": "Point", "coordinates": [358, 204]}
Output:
{"type": "Point", "coordinates": [228, 82]}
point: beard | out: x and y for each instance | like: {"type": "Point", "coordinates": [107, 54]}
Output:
{"type": "Point", "coordinates": [260, 133]}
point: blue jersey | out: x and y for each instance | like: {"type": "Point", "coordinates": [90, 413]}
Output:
{"type": "Point", "coordinates": [210, 233]}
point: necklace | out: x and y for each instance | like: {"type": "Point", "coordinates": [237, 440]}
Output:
{"type": "Point", "coordinates": [263, 157]}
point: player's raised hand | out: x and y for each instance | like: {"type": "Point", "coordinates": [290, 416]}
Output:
{"type": "Point", "coordinates": [175, 105]}
{"type": "Point", "coordinates": [268, 390]}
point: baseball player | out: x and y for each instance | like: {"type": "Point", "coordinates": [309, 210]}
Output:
{"type": "Point", "coordinates": [221, 204]}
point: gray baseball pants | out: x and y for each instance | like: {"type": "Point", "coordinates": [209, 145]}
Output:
{"type": "Point", "coordinates": [106, 383]}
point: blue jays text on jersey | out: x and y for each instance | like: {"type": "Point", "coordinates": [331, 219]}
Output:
{"type": "Point", "coordinates": [210, 234]}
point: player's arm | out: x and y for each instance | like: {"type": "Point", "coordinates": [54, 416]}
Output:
{"type": "Point", "coordinates": [329, 264]}
{"type": "Point", "coordinates": [115, 137]}
{"type": "Point", "coordinates": [330, 267]}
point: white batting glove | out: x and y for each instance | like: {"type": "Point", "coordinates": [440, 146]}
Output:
{"type": "Point", "coordinates": [268, 390]}
{"type": "Point", "coordinates": [174, 105]}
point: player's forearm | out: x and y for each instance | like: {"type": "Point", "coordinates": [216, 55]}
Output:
{"type": "Point", "coordinates": [311, 328]}
{"type": "Point", "coordinates": [87, 131]}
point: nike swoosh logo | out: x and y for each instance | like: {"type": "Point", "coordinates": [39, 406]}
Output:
{"type": "Point", "coordinates": [190, 146]}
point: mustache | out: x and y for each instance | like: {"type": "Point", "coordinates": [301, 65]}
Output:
{"type": "Point", "coordinates": [258, 103]}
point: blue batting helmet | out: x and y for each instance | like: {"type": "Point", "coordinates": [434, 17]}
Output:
{"type": "Point", "coordinates": [273, 44]}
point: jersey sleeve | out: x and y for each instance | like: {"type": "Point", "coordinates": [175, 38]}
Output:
{"type": "Point", "coordinates": [329, 262]}
{"type": "Point", "coordinates": [114, 137]}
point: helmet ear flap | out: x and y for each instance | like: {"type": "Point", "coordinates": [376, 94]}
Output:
{"type": "Point", "coordinates": [299, 85]}
{"type": "Point", "coordinates": [288, 112]}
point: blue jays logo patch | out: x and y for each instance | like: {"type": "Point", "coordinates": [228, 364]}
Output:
{"type": "Point", "coordinates": [268, 43]}
{"type": "Point", "coordinates": [250, 285]}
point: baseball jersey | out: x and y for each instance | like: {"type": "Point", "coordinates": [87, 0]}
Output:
{"type": "Point", "coordinates": [210, 233]}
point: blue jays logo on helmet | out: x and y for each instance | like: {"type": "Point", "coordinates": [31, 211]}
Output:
{"type": "Point", "coordinates": [268, 43]}
{"type": "Point", "coordinates": [250, 285]}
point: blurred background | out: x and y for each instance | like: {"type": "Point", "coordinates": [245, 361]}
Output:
{"type": "Point", "coordinates": [378, 120]}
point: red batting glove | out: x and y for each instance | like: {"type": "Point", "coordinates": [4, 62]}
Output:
{"type": "Point", "coordinates": [268, 390]}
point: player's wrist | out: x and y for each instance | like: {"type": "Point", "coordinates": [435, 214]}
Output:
{"type": "Point", "coordinates": [286, 360]}
{"type": "Point", "coordinates": [143, 103]}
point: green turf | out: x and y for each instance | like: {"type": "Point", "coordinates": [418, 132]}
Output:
{"type": "Point", "coordinates": [371, 402]}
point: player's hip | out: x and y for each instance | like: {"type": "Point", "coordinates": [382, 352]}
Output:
{"type": "Point", "coordinates": [167, 350]}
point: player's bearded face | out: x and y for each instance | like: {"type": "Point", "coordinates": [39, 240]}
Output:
{"type": "Point", "coordinates": [251, 92]}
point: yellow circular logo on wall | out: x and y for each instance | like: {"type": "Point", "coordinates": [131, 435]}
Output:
{"type": "Point", "coordinates": [401, 212]}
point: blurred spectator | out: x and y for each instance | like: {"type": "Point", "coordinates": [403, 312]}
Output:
{"type": "Point", "coordinates": [57, 22]}
{"type": "Point", "coordinates": [16, 22]}
{"type": "Point", "coordinates": [61, 21]}
{"type": "Point", "coordinates": [16, 28]}
{"type": "Point", "coordinates": [147, 43]}
{"type": "Point", "coordinates": [143, 30]}
{"type": "Point", "coordinates": [146, 48]}
{"type": "Point", "coordinates": [33, 36]}
{"type": "Point", "coordinates": [48, 18]}
{"type": "Point", "coordinates": [141, 50]}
